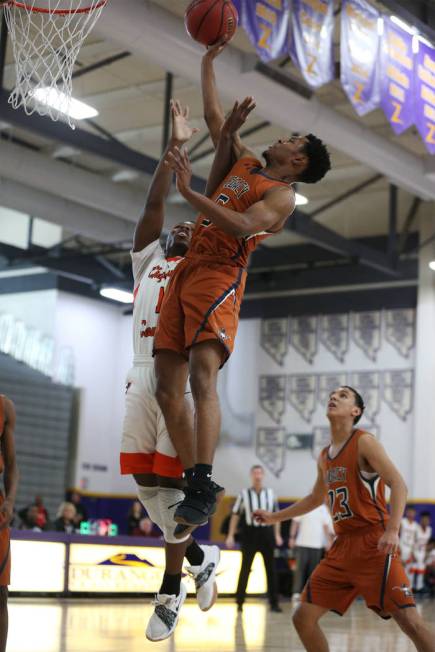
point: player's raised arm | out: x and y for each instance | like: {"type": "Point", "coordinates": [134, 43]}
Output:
{"type": "Point", "coordinates": [374, 454]}
{"type": "Point", "coordinates": [214, 114]}
{"type": "Point", "coordinates": [150, 224]}
{"type": "Point", "coordinates": [223, 157]}
{"type": "Point", "coordinates": [10, 462]}
{"type": "Point", "coordinates": [269, 214]}
{"type": "Point", "coordinates": [303, 506]}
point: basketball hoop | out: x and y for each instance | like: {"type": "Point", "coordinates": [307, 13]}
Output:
{"type": "Point", "coordinates": [47, 36]}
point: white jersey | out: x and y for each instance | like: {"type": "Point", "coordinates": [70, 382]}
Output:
{"type": "Point", "coordinates": [408, 533]}
{"type": "Point", "coordinates": [151, 274]}
{"type": "Point", "coordinates": [422, 538]}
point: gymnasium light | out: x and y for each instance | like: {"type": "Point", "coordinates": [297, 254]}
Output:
{"type": "Point", "coordinates": [401, 23]}
{"type": "Point", "coordinates": [57, 100]}
{"type": "Point", "coordinates": [117, 295]}
{"type": "Point", "coordinates": [432, 265]}
{"type": "Point", "coordinates": [301, 200]}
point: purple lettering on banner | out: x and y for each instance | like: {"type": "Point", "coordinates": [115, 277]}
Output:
{"type": "Point", "coordinates": [359, 46]}
{"type": "Point", "coordinates": [397, 77]}
{"type": "Point", "coordinates": [424, 94]}
{"type": "Point", "coordinates": [311, 49]}
{"type": "Point", "coordinates": [266, 23]}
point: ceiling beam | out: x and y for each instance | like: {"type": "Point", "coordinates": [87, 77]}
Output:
{"type": "Point", "coordinates": [83, 140]}
{"type": "Point", "coordinates": [328, 239]}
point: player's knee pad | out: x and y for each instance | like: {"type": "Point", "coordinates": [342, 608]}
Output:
{"type": "Point", "coordinates": [168, 500]}
{"type": "Point", "coordinates": [149, 497]}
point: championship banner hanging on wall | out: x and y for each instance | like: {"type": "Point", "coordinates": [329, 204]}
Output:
{"type": "Point", "coordinates": [266, 22]}
{"type": "Point", "coordinates": [397, 77]}
{"type": "Point", "coordinates": [312, 26]}
{"type": "Point", "coordinates": [359, 55]}
{"type": "Point", "coordinates": [424, 93]}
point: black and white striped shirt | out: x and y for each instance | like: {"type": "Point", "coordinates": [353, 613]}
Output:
{"type": "Point", "coordinates": [249, 500]}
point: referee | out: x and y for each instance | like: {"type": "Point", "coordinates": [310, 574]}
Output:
{"type": "Point", "coordinates": [256, 537]}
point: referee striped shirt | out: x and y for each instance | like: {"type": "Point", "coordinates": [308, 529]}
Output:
{"type": "Point", "coordinates": [249, 500]}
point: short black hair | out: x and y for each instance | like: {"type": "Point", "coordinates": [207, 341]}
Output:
{"type": "Point", "coordinates": [319, 161]}
{"type": "Point", "coordinates": [359, 402]}
{"type": "Point", "coordinates": [257, 466]}
{"type": "Point", "coordinates": [427, 514]}
{"type": "Point", "coordinates": [413, 507]}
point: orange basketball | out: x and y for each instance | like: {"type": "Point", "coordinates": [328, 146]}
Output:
{"type": "Point", "coordinates": [207, 21]}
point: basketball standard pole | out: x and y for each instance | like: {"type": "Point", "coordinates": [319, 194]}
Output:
{"type": "Point", "coordinates": [3, 46]}
{"type": "Point", "coordinates": [167, 109]}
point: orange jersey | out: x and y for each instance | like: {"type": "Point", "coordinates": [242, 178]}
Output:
{"type": "Point", "coordinates": [356, 499]}
{"type": "Point", "coordinates": [244, 186]}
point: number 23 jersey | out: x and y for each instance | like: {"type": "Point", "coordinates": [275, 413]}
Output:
{"type": "Point", "coordinates": [151, 274]}
{"type": "Point", "coordinates": [356, 498]}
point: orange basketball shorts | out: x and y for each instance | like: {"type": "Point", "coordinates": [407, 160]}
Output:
{"type": "Point", "coordinates": [354, 567]}
{"type": "Point", "coordinates": [202, 303]}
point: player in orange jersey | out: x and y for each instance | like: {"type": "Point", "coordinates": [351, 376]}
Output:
{"type": "Point", "coordinates": [8, 466]}
{"type": "Point", "coordinates": [353, 471]}
{"type": "Point", "coordinates": [199, 317]}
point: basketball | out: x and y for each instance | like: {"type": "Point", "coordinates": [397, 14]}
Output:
{"type": "Point", "coordinates": [207, 21]}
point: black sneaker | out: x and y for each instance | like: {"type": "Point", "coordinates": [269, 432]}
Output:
{"type": "Point", "coordinates": [197, 506]}
{"type": "Point", "coordinates": [182, 530]}
{"type": "Point", "coordinates": [275, 608]}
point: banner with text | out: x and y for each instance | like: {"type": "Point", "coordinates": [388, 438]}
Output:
{"type": "Point", "coordinates": [266, 22]}
{"type": "Point", "coordinates": [359, 55]}
{"type": "Point", "coordinates": [312, 26]}
{"type": "Point", "coordinates": [424, 92]}
{"type": "Point", "coordinates": [397, 77]}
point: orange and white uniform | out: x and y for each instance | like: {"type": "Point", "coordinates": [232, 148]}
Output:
{"type": "Point", "coordinates": [204, 296]}
{"type": "Point", "coordinates": [5, 545]}
{"type": "Point", "coordinates": [354, 566]}
{"type": "Point", "coordinates": [146, 446]}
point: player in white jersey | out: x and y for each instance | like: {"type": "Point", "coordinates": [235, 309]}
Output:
{"type": "Point", "coordinates": [146, 451]}
{"type": "Point", "coordinates": [408, 536]}
{"type": "Point", "coordinates": [424, 534]}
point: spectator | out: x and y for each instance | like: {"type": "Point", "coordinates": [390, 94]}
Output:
{"type": "Point", "coordinates": [256, 537]}
{"type": "Point", "coordinates": [41, 513]}
{"type": "Point", "coordinates": [66, 518]}
{"type": "Point", "coordinates": [81, 511]}
{"type": "Point", "coordinates": [430, 568]}
{"type": "Point", "coordinates": [135, 515]}
{"type": "Point", "coordinates": [30, 519]}
{"type": "Point", "coordinates": [310, 535]}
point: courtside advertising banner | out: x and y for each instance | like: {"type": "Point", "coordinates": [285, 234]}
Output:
{"type": "Point", "coordinates": [359, 46]}
{"type": "Point", "coordinates": [397, 73]}
{"type": "Point", "coordinates": [266, 22]}
{"type": "Point", "coordinates": [424, 94]}
{"type": "Point", "coordinates": [312, 26]}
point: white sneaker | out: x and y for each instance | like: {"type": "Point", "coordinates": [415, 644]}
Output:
{"type": "Point", "coordinates": [296, 598]}
{"type": "Point", "coordinates": [204, 576]}
{"type": "Point", "coordinates": [166, 613]}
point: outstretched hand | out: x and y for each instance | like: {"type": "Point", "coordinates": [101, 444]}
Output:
{"type": "Point", "coordinates": [214, 50]}
{"type": "Point", "coordinates": [238, 116]}
{"type": "Point", "coordinates": [182, 131]}
{"type": "Point", "coordinates": [264, 517]}
{"type": "Point", "coordinates": [178, 160]}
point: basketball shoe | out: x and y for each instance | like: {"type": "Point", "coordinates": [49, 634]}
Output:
{"type": "Point", "coordinates": [166, 613]}
{"type": "Point", "coordinates": [183, 528]}
{"type": "Point", "coordinates": [204, 577]}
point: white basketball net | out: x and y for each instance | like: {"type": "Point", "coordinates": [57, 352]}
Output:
{"type": "Point", "coordinates": [47, 36]}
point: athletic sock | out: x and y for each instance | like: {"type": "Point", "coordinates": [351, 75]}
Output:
{"type": "Point", "coordinates": [194, 554]}
{"type": "Point", "coordinates": [170, 584]}
{"type": "Point", "coordinates": [202, 476]}
{"type": "Point", "coordinates": [188, 474]}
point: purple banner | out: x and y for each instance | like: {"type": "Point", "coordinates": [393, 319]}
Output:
{"type": "Point", "coordinates": [360, 55]}
{"type": "Point", "coordinates": [424, 94]}
{"type": "Point", "coordinates": [266, 23]}
{"type": "Point", "coordinates": [312, 23]}
{"type": "Point", "coordinates": [397, 77]}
